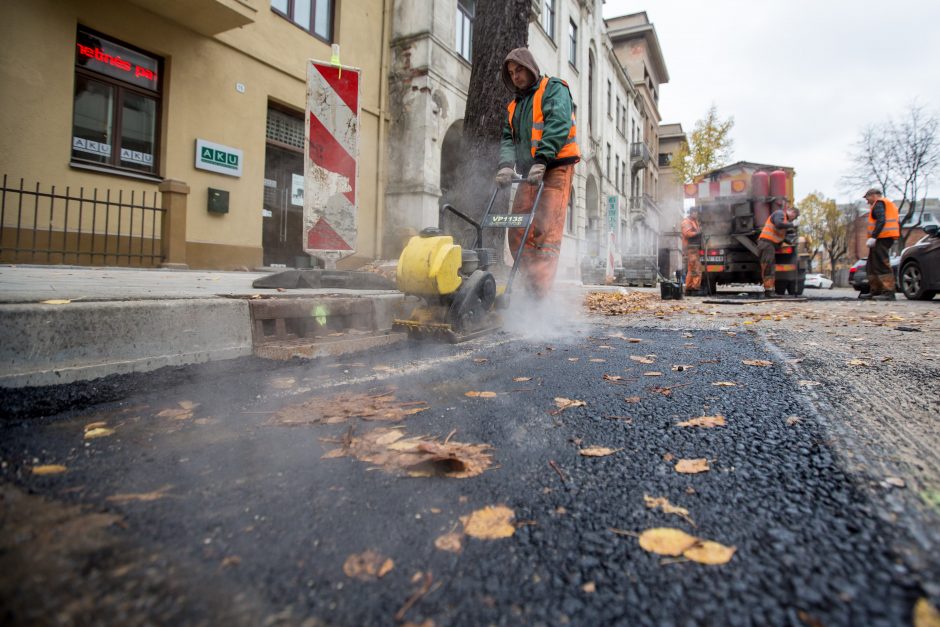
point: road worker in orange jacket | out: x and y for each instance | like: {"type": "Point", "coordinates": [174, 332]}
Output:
{"type": "Point", "coordinates": [539, 141]}
{"type": "Point", "coordinates": [692, 244]}
{"type": "Point", "coordinates": [772, 235]}
{"type": "Point", "coordinates": [884, 228]}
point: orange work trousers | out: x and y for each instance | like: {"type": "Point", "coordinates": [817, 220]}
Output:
{"type": "Point", "coordinates": [541, 251]}
{"type": "Point", "coordinates": [693, 275]}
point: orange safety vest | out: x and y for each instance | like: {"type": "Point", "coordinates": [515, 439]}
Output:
{"type": "Point", "coordinates": [772, 233]}
{"type": "Point", "coordinates": [570, 148]}
{"type": "Point", "coordinates": [892, 227]}
{"type": "Point", "coordinates": [690, 230]}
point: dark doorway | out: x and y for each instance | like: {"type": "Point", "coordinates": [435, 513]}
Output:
{"type": "Point", "coordinates": [283, 211]}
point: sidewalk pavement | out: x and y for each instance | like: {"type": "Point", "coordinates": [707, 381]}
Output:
{"type": "Point", "coordinates": [102, 321]}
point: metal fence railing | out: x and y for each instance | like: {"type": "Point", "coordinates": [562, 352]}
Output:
{"type": "Point", "coordinates": [90, 228]}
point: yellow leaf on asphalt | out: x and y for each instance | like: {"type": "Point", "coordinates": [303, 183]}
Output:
{"type": "Point", "coordinates": [925, 614]}
{"type": "Point", "coordinates": [55, 301]}
{"type": "Point", "coordinates": [590, 587]}
{"type": "Point", "coordinates": [642, 360]}
{"type": "Point", "coordinates": [451, 542]}
{"type": "Point", "coordinates": [489, 523]}
{"type": "Point", "coordinates": [49, 469]}
{"type": "Point", "coordinates": [480, 394]}
{"type": "Point", "coordinates": [709, 552]}
{"type": "Point", "coordinates": [692, 466]}
{"type": "Point", "coordinates": [95, 425]}
{"type": "Point", "coordinates": [724, 384]}
{"type": "Point", "coordinates": [566, 403]}
{"type": "Point", "coordinates": [140, 496]}
{"type": "Point", "coordinates": [666, 541]}
{"type": "Point", "coordinates": [757, 362]}
{"type": "Point", "coordinates": [367, 565]}
{"type": "Point", "coordinates": [632, 399]}
{"type": "Point", "coordinates": [98, 432]}
{"type": "Point", "coordinates": [703, 421]}
{"type": "Point", "coordinates": [521, 379]}
{"type": "Point", "coordinates": [598, 451]}
{"type": "Point", "coordinates": [668, 508]}
{"type": "Point", "coordinates": [857, 362]}
{"type": "Point", "coordinates": [652, 374]}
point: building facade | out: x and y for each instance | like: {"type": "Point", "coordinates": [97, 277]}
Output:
{"type": "Point", "coordinates": [119, 96]}
{"type": "Point", "coordinates": [671, 198]}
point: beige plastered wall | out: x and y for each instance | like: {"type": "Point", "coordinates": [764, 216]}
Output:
{"type": "Point", "coordinates": [200, 100]}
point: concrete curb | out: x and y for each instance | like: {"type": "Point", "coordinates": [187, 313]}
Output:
{"type": "Point", "coordinates": [55, 344]}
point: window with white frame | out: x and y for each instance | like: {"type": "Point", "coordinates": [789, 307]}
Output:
{"type": "Point", "coordinates": [548, 18]}
{"type": "Point", "coordinates": [116, 111]}
{"type": "Point", "coordinates": [572, 43]}
{"type": "Point", "coordinates": [609, 92]}
{"type": "Point", "coordinates": [314, 16]}
{"type": "Point", "coordinates": [465, 10]}
{"type": "Point", "coordinates": [569, 221]}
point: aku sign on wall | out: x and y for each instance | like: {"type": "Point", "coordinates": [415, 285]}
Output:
{"type": "Point", "coordinates": [331, 161]}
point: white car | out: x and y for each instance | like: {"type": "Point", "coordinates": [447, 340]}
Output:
{"type": "Point", "coordinates": [818, 281]}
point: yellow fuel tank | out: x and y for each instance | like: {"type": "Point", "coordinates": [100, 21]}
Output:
{"type": "Point", "coordinates": [429, 266]}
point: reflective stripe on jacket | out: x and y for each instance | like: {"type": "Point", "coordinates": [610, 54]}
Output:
{"type": "Point", "coordinates": [569, 148]}
{"type": "Point", "coordinates": [892, 227]}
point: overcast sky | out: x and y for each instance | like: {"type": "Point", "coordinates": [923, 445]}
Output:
{"type": "Point", "coordinates": [801, 78]}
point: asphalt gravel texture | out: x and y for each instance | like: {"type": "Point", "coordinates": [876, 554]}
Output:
{"type": "Point", "coordinates": [253, 527]}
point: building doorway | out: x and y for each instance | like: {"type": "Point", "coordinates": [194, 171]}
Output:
{"type": "Point", "coordinates": [283, 210]}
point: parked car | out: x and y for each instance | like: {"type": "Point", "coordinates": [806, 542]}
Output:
{"type": "Point", "coordinates": [920, 266]}
{"type": "Point", "coordinates": [818, 281]}
{"type": "Point", "coordinates": [858, 277]}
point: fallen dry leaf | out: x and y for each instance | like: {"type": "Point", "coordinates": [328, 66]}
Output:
{"type": "Point", "coordinates": [282, 383]}
{"type": "Point", "coordinates": [807, 384]}
{"type": "Point", "coordinates": [590, 587]}
{"type": "Point", "coordinates": [681, 368]}
{"type": "Point", "coordinates": [368, 565]}
{"type": "Point", "coordinates": [612, 377]}
{"type": "Point", "coordinates": [703, 421]}
{"type": "Point", "coordinates": [692, 466]}
{"type": "Point", "coordinates": [450, 542]}
{"type": "Point", "coordinates": [55, 301]}
{"type": "Point", "coordinates": [652, 374]}
{"type": "Point", "coordinates": [632, 399]}
{"type": "Point", "coordinates": [145, 497]}
{"type": "Point", "coordinates": [896, 482]}
{"type": "Point", "coordinates": [792, 420]}
{"type": "Point", "coordinates": [598, 451]}
{"type": "Point", "coordinates": [668, 457]}
{"type": "Point", "coordinates": [666, 541]}
{"type": "Point", "coordinates": [724, 384]}
{"type": "Point", "coordinates": [757, 362]}
{"type": "Point", "coordinates": [98, 432]}
{"type": "Point", "coordinates": [925, 614]}
{"type": "Point", "coordinates": [49, 469]}
{"type": "Point", "coordinates": [473, 394]}
{"type": "Point", "coordinates": [416, 456]}
{"type": "Point", "coordinates": [642, 360]}
{"type": "Point", "coordinates": [573, 358]}
{"type": "Point", "coordinates": [521, 379]}
{"type": "Point", "coordinates": [490, 523]}
{"type": "Point", "coordinates": [231, 560]}
{"type": "Point", "coordinates": [480, 360]}
{"type": "Point", "coordinates": [857, 362]}
{"type": "Point", "coordinates": [380, 406]}
{"type": "Point", "coordinates": [709, 552]}
{"type": "Point", "coordinates": [596, 360]}
{"type": "Point", "coordinates": [663, 503]}
{"type": "Point", "coordinates": [566, 403]}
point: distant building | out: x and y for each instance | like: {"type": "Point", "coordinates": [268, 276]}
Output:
{"type": "Point", "coordinates": [671, 198]}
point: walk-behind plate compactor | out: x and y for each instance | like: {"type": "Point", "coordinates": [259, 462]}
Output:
{"type": "Point", "coordinates": [460, 293]}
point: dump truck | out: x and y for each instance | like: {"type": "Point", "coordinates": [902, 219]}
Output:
{"type": "Point", "coordinates": [735, 202]}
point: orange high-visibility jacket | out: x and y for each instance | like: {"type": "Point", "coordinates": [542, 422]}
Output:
{"type": "Point", "coordinates": [570, 148]}
{"type": "Point", "coordinates": [771, 232]}
{"type": "Point", "coordinates": [892, 227]}
{"type": "Point", "coordinates": [690, 231]}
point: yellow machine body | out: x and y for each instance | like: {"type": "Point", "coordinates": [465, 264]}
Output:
{"type": "Point", "coordinates": [430, 266]}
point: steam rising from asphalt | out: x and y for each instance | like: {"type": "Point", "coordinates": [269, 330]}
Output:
{"type": "Point", "coordinates": [559, 316]}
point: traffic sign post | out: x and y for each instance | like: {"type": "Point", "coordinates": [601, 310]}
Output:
{"type": "Point", "coordinates": [331, 162]}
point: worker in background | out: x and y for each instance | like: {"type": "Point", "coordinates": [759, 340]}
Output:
{"type": "Point", "coordinates": [884, 229]}
{"type": "Point", "coordinates": [771, 236]}
{"type": "Point", "coordinates": [692, 244]}
{"type": "Point", "coordinates": [539, 142]}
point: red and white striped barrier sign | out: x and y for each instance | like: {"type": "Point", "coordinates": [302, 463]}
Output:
{"type": "Point", "coordinates": [331, 161]}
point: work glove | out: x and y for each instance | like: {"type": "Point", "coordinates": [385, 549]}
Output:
{"type": "Point", "coordinates": [504, 176]}
{"type": "Point", "coordinates": [536, 173]}
{"type": "Point", "coordinates": [871, 242]}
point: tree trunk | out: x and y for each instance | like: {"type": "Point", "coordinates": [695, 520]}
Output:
{"type": "Point", "coordinates": [499, 26]}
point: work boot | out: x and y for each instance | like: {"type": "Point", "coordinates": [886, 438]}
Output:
{"type": "Point", "coordinates": [770, 294]}
{"type": "Point", "coordinates": [865, 296]}
{"type": "Point", "coordinates": [884, 296]}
